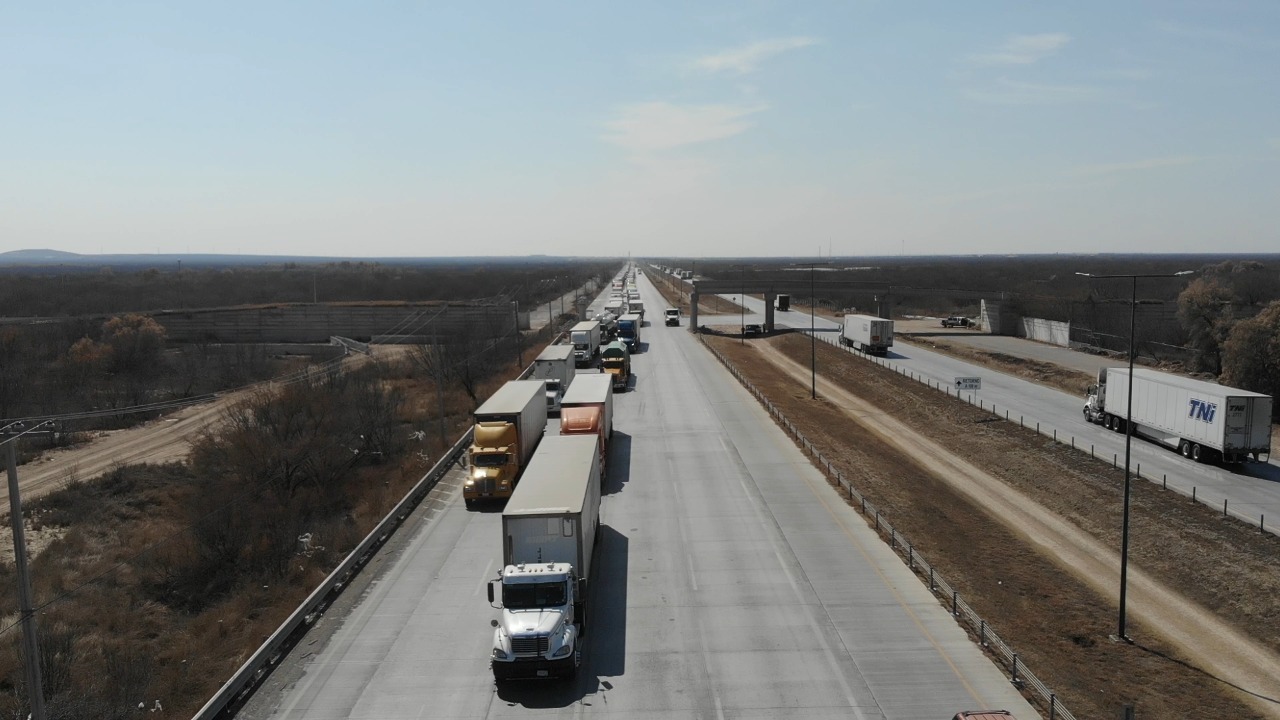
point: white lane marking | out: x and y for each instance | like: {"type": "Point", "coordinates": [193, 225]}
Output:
{"type": "Point", "coordinates": [775, 538]}
{"type": "Point", "coordinates": [484, 577]}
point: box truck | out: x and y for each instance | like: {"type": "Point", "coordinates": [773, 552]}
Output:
{"type": "Point", "coordinates": [867, 333]}
{"type": "Point", "coordinates": [549, 532]}
{"type": "Point", "coordinates": [1204, 421]}
{"type": "Point", "coordinates": [673, 316]}
{"type": "Point", "coordinates": [591, 391]}
{"type": "Point", "coordinates": [585, 337]}
{"type": "Point", "coordinates": [615, 359]}
{"type": "Point", "coordinates": [554, 366]}
{"type": "Point", "coordinates": [629, 331]}
{"type": "Point", "coordinates": [509, 426]}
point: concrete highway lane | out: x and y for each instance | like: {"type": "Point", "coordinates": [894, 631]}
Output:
{"type": "Point", "coordinates": [732, 582]}
{"type": "Point", "coordinates": [1252, 491]}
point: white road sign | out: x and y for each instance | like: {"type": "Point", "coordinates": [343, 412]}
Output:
{"type": "Point", "coordinates": [968, 383]}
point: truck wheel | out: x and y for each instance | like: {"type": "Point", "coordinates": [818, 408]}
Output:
{"type": "Point", "coordinates": [1184, 448]}
{"type": "Point", "coordinates": [471, 504]}
{"type": "Point", "coordinates": [1197, 453]}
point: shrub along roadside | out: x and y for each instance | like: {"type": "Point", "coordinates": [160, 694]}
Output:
{"type": "Point", "coordinates": [167, 577]}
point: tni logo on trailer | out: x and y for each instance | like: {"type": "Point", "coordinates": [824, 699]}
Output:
{"type": "Point", "coordinates": [1201, 410]}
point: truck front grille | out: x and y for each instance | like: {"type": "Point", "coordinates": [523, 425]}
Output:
{"type": "Point", "coordinates": [529, 645]}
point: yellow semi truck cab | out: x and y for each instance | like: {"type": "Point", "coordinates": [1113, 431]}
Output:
{"type": "Point", "coordinates": [509, 426]}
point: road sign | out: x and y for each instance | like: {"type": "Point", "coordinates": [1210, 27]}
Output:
{"type": "Point", "coordinates": [968, 383]}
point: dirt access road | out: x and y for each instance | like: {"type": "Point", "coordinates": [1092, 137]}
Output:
{"type": "Point", "coordinates": [167, 439]}
{"type": "Point", "coordinates": [1028, 532]}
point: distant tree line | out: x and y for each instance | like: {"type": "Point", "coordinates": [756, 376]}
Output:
{"type": "Point", "coordinates": [78, 366]}
{"type": "Point", "coordinates": [1231, 312]}
{"type": "Point", "coordinates": [76, 291]}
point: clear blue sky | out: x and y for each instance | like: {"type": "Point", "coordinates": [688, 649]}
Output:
{"type": "Point", "coordinates": [659, 128]}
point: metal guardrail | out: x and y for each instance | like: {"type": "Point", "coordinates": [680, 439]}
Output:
{"type": "Point", "coordinates": [1019, 674]}
{"type": "Point", "coordinates": [349, 344]}
{"type": "Point", "coordinates": [1061, 438]}
{"type": "Point", "coordinates": [259, 665]}
{"type": "Point", "coordinates": [247, 678]}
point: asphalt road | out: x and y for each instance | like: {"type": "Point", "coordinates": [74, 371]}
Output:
{"type": "Point", "coordinates": [732, 583]}
{"type": "Point", "coordinates": [1251, 492]}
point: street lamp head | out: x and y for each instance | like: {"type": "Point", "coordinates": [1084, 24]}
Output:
{"type": "Point", "coordinates": [1184, 272]}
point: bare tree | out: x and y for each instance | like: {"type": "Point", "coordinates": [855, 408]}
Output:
{"type": "Point", "coordinates": [1251, 354]}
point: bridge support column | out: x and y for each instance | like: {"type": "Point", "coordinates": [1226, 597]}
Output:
{"type": "Point", "coordinates": [770, 299]}
{"type": "Point", "coordinates": [693, 311]}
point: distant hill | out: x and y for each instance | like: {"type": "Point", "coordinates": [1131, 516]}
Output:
{"type": "Point", "coordinates": [38, 255]}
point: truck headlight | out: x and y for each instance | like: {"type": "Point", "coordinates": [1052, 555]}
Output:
{"type": "Point", "coordinates": [469, 483]}
{"type": "Point", "coordinates": [499, 654]}
{"type": "Point", "coordinates": [563, 651]}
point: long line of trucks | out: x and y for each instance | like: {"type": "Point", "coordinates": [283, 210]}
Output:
{"type": "Point", "coordinates": [508, 428]}
{"type": "Point", "coordinates": [1203, 421]}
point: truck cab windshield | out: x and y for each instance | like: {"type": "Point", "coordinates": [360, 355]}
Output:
{"type": "Point", "coordinates": [489, 460]}
{"type": "Point", "coordinates": [537, 595]}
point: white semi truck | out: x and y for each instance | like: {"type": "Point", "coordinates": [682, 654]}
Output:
{"type": "Point", "coordinates": [1204, 421]}
{"type": "Point", "coordinates": [549, 532]}
{"type": "Point", "coordinates": [585, 337]}
{"type": "Point", "coordinates": [555, 367]}
{"type": "Point", "coordinates": [867, 333]}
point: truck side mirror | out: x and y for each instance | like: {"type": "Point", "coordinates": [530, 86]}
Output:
{"type": "Point", "coordinates": [490, 587]}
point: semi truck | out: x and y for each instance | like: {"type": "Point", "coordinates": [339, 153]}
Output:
{"type": "Point", "coordinates": [616, 361]}
{"type": "Point", "coordinates": [867, 333]}
{"type": "Point", "coordinates": [673, 316]}
{"type": "Point", "coordinates": [509, 426]}
{"type": "Point", "coordinates": [784, 302]}
{"type": "Point", "coordinates": [615, 307]}
{"type": "Point", "coordinates": [591, 391]}
{"type": "Point", "coordinates": [636, 306]}
{"type": "Point", "coordinates": [555, 366]}
{"type": "Point", "coordinates": [1204, 421]}
{"type": "Point", "coordinates": [549, 532]}
{"type": "Point", "coordinates": [629, 331]}
{"type": "Point", "coordinates": [608, 326]}
{"type": "Point", "coordinates": [585, 337]}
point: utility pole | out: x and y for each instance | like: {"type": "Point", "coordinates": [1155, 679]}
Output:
{"type": "Point", "coordinates": [30, 646]}
{"type": "Point", "coordinates": [515, 310]}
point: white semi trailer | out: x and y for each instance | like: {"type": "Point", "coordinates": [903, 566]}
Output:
{"type": "Point", "coordinates": [592, 390]}
{"type": "Point", "coordinates": [1204, 421]}
{"type": "Point", "coordinates": [549, 532]}
{"type": "Point", "coordinates": [555, 366]}
{"type": "Point", "coordinates": [867, 333]}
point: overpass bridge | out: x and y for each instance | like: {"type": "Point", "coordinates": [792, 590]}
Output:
{"type": "Point", "coordinates": [883, 294]}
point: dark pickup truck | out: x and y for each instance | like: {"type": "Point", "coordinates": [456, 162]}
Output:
{"type": "Point", "coordinates": [955, 321]}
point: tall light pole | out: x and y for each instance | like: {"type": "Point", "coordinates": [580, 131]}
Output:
{"type": "Point", "coordinates": [813, 337]}
{"type": "Point", "coordinates": [1128, 433]}
{"type": "Point", "coordinates": [742, 307]}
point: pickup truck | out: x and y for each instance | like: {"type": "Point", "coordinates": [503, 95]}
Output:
{"type": "Point", "coordinates": [752, 330]}
{"type": "Point", "coordinates": [955, 321]}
